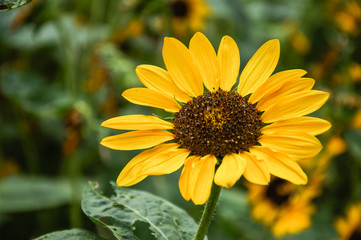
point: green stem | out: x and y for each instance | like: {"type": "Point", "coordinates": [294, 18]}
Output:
{"type": "Point", "coordinates": [208, 212]}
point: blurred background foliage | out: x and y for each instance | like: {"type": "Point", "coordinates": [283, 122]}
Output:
{"type": "Point", "coordinates": [64, 65]}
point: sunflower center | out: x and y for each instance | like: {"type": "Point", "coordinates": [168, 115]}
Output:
{"type": "Point", "coordinates": [179, 8]}
{"type": "Point", "coordinates": [217, 123]}
{"type": "Point", "coordinates": [278, 191]}
{"type": "Point", "coordinates": [356, 235]}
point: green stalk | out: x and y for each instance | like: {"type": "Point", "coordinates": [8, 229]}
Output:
{"type": "Point", "coordinates": [208, 212]}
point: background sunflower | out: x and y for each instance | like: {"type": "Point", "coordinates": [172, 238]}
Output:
{"type": "Point", "coordinates": [289, 209]}
{"type": "Point", "coordinates": [188, 15]}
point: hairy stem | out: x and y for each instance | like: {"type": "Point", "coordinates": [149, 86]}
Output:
{"type": "Point", "coordinates": [208, 212]}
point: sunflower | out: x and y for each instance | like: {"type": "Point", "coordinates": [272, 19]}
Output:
{"type": "Point", "coordinates": [355, 72]}
{"type": "Point", "coordinates": [282, 206]}
{"type": "Point", "coordinates": [349, 228]}
{"type": "Point", "coordinates": [219, 133]}
{"type": "Point", "coordinates": [346, 15]}
{"type": "Point", "coordinates": [286, 208]}
{"type": "Point", "coordinates": [188, 15]}
{"type": "Point", "coordinates": [133, 29]}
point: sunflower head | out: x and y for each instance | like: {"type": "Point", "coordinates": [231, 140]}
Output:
{"type": "Point", "coordinates": [188, 15]}
{"type": "Point", "coordinates": [282, 206]}
{"type": "Point", "coordinates": [286, 208]}
{"type": "Point", "coordinates": [257, 129]}
{"type": "Point", "coordinates": [279, 191]}
{"type": "Point", "coordinates": [210, 124]}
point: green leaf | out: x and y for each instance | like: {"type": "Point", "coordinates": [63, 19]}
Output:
{"type": "Point", "coordinates": [76, 234]}
{"type": "Point", "coordinates": [25, 193]}
{"type": "Point", "coordinates": [6, 5]}
{"type": "Point", "coordinates": [120, 212]}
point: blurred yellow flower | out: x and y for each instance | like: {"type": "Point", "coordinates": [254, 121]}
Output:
{"type": "Point", "coordinates": [355, 71]}
{"type": "Point", "coordinates": [188, 15]}
{"type": "Point", "coordinates": [347, 15]}
{"type": "Point", "coordinates": [349, 228]}
{"type": "Point", "coordinates": [300, 42]}
{"type": "Point", "coordinates": [335, 146]}
{"type": "Point", "coordinates": [286, 208]}
{"type": "Point", "coordinates": [257, 130]}
{"type": "Point", "coordinates": [132, 29]}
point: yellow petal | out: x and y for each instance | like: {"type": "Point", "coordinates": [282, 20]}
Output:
{"type": "Point", "coordinates": [230, 170]}
{"type": "Point", "coordinates": [256, 170]}
{"type": "Point", "coordinates": [204, 179]}
{"type": "Point", "coordinates": [182, 68]}
{"type": "Point", "coordinates": [132, 172]}
{"type": "Point", "coordinates": [158, 79]}
{"type": "Point", "coordinates": [165, 163]}
{"type": "Point", "coordinates": [295, 105]}
{"type": "Point", "coordinates": [300, 145]}
{"type": "Point", "coordinates": [275, 82]}
{"type": "Point", "coordinates": [151, 98]}
{"type": "Point", "coordinates": [259, 67]}
{"type": "Point", "coordinates": [206, 58]}
{"type": "Point", "coordinates": [342, 225]}
{"type": "Point", "coordinates": [229, 62]}
{"type": "Point", "coordinates": [310, 125]}
{"type": "Point", "coordinates": [280, 165]}
{"type": "Point", "coordinates": [137, 139]}
{"type": "Point", "coordinates": [187, 180]}
{"type": "Point", "coordinates": [137, 122]}
{"type": "Point", "coordinates": [288, 88]}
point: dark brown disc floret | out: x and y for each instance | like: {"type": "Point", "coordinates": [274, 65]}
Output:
{"type": "Point", "coordinates": [180, 8]}
{"type": "Point", "coordinates": [356, 235]}
{"type": "Point", "coordinates": [217, 123]}
{"type": "Point", "coordinates": [276, 192]}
